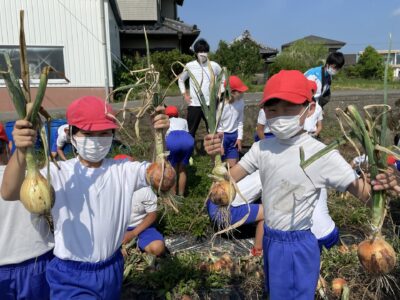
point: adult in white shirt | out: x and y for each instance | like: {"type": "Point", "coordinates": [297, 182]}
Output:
{"type": "Point", "coordinates": [199, 68]}
{"type": "Point", "coordinates": [143, 216]}
{"type": "Point", "coordinates": [26, 245]}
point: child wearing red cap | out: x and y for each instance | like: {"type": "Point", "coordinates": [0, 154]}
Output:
{"type": "Point", "coordinates": [291, 252]}
{"type": "Point", "coordinates": [180, 145]}
{"type": "Point", "coordinates": [231, 122]}
{"type": "Point", "coordinates": [26, 244]}
{"type": "Point", "coordinates": [93, 197]}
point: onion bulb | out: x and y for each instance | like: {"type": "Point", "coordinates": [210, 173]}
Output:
{"type": "Point", "coordinates": [36, 194]}
{"type": "Point", "coordinates": [337, 286]}
{"type": "Point", "coordinates": [377, 256]}
{"type": "Point", "coordinates": [222, 192]}
{"type": "Point", "coordinates": [154, 175]}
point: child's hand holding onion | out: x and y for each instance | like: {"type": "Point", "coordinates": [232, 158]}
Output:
{"type": "Point", "coordinates": [213, 144]}
{"type": "Point", "coordinates": [23, 135]}
{"type": "Point", "coordinates": [160, 174]}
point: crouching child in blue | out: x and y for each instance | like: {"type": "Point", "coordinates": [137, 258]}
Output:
{"type": "Point", "coordinates": [291, 252]}
{"type": "Point", "coordinates": [92, 207]}
{"type": "Point", "coordinates": [180, 145]}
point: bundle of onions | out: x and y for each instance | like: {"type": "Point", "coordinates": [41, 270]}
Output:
{"type": "Point", "coordinates": [36, 193]}
{"type": "Point", "coordinates": [160, 174]}
{"type": "Point", "coordinates": [375, 254]}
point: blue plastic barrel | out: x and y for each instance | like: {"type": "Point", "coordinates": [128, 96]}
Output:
{"type": "Point", "coordinates": [9, 128]}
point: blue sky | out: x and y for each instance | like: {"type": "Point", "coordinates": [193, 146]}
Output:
{"type": "Point", "coordinates": [358, 23]}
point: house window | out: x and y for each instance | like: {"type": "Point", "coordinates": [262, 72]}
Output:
{"type": "Point", "coordinates": [398, 59]}
{"type": "Point", "coordinates": [38, 58]}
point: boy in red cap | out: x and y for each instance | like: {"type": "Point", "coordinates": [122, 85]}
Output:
{"type": "Point", "coordinates": [26, 245]}
{"type": "Point", "coordinates": [231, 122]}
{"type": "Point", "coordinates": [180, 145]}
{"type": "Point", "coordinates": [291, 252]}
{"type": "Point", "coordinates": [93, 197]}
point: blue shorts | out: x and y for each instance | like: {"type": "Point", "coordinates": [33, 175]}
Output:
{"type": "Point", "coordinates": [266, 135]}
{"type": "Point", "coordinates": [180, 145]}
{"type": "Point", "coordinates": [329, 240]}
{"type": "Point", "coordinates": [237, 213]}
{"type": "Point", "coordinates": [148, 236]}
{"type": "Point", "coordinates": [230, 150]}
{"type": "Point", "coordinates": [291, 264]}
{"type": "Point", "coordinates": [82, 280]}
{"type": "Point", "coordinates": [26, 280]}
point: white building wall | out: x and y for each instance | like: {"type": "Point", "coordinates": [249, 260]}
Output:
{"type": "Point", "coordinates": [72, 24]}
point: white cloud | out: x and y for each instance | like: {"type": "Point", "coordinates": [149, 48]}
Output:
{"type": "Point", "coordinates": [396, 12]}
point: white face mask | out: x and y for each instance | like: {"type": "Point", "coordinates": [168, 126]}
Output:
{"type": "Point", "coordinates": [92, 148]}
{"type": "Point", "coordinates": [202, 57]}
{"type": "Point", "coordinates": [285, 127]}
{"type": "Point", "coordinates": [331, 71]}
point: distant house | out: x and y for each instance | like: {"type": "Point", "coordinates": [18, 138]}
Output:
{"type": "Point", "coordinates": [332, 45]}
{"type": "Point", "coordinates": [350, 59]}
{"type": "Point", "coordinates": [267, 53]}
{"type": "Point", "coordinates": [82, 38]}
{"type": "Point", "coordinates": [78, 38]}
{"type": "Point", "coordinates": [394, 60]}
{"type": "Point", "coordinates": [164, 29]}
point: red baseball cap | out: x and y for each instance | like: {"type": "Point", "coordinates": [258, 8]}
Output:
{"type": "Point", "coordinates": [171, 111]}
{"type": "Point", "coordinates": [391, 160]}
{"type": "Point", "coordinates": [3, 134]}
{"type": "Point", "coordinates": [236, 84]}
{"type": "Point", "coordinates": [288, 85]}
{"type": "Point", "coordinates": [89, 113]}
{"type": "Point", "coordinates": [122, 157]}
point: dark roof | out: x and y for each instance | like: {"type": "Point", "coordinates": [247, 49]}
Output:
{"type": "Point", "coordinates": [263, 49]}
{"type": "Point", "coordinates": [166, 26]}
{"type": "Point", "coordinates": [317, 39]}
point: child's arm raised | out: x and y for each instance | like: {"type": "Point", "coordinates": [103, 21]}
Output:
{"type": "Point", "coordinates": [14, 174]}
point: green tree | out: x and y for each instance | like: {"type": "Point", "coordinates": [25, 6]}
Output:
{"type": "Point", "coordinates": [370, 65]}
{"type": "Point", "coordinates": [242, 58]}
{"type": "Point", "coordinates": [302, 55]}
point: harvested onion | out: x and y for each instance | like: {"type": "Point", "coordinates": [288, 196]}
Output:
{"type": "Point", "coordinates": [155, 174]}
{"type": "Point", "coordinates": [377, 256]}
{"type": "Point", "coordinates": [222, 193]}
{"type": "Point", "coordinates": [337, 286]}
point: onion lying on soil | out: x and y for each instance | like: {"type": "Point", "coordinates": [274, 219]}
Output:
{"type": "Point", "coordinates": [338, 285]}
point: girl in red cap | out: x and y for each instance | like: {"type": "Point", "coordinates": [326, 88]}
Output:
{"type": "Point", "coordinates": [289, 193]}
{"type": "Point", "coordinates": [180, 145]}
{"type": "Point", "coordinates": [231, 122]}
{"type": "Point", "coordinates": [92, 201]}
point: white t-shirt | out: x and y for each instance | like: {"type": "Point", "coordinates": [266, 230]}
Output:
{"type": "Point", "coordinates": [251, 188]}
{"type": "Point", "coordinates": [22, 235]}
{"type": "Point", "coordinates": [322, 223]}
{"type": "Point", "coordinates": [177, 124]}
{"type": "Point", "coordinates": [232, 118]}
{"type": "Point", "coordinates": [289, 192]}
{"type": "Point", "coordinates": [144, 201]}
{"type": "Point", "coordinates": [93, 206]}
{"type": "Point", "coordinates": [62, 137]}
{"type": "Point", "coordinates": [262, 120]}
{"type": "Point", "coordinates": [203, 76]}
{"type": "Point", "coordinates": [310, 123]}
